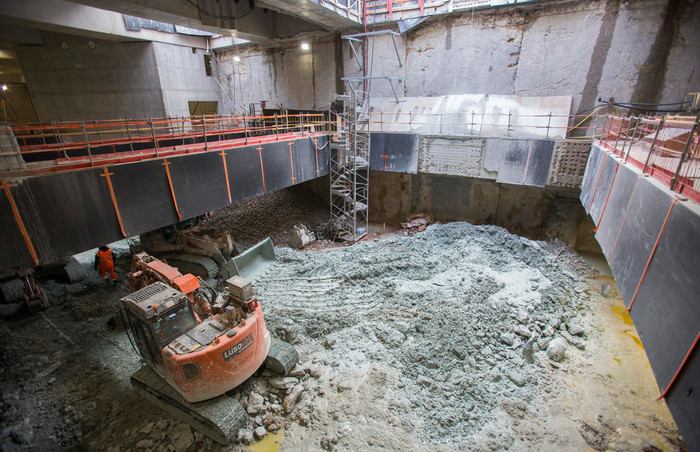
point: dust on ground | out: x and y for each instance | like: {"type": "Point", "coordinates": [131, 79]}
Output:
{"type": "Point", "coordinates": [459, 337]}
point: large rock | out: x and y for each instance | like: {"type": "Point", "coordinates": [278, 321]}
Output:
{"type": "Point", "coordinates": [182, 437]}
{"type": "Point", "coordinates": [523, 331]}
{"type": "Point", "coordinates": [144, 444]}
{"type": "Point", "coordinates": [297, 372]}
{"type": "Point", "coordinates": [301, 236]}
{"type": "Point", "coordinates": [245, 436]}
{"type": "Point", "coordinates": [22, 433]}
{"type": "Point", "coordinates": [283, 382]}
{"type": "Point", "coordinates": [517, 378]}
{"type": "Point", "coordinates": [259, 432]}
{"type": "Point", "coordinates": [507, 338]}
{"type": "Point", "coordinates": [557, 349]}
{"type": "Point", "coordinates": [292, 398]}
{"type": "Point", "coordinates": [255, 403]}
{"type": "Point", "coordinates": [575, 329]}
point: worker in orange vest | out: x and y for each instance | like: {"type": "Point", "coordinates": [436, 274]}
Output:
{"type": "Point", "coordinates": [104, 263]}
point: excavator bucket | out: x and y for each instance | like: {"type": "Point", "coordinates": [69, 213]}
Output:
{"type": "Point", "coordinates": [251, 263]}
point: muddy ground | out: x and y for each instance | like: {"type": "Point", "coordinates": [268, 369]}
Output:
{"type": "Point", "coordinates": [459, 337]}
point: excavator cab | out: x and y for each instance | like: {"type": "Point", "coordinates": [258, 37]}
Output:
{"type": "Point", "coordinates": [156, 315]}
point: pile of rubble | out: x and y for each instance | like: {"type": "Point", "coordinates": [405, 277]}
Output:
{"type": "Point", "coordinates": [467, 320]}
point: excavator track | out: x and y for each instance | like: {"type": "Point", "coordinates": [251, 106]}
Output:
{"type": "Point", "coordinates": [219, 418]}
{"type": "Point", "coordinates": [282, 357]}
{"type": "Point", "coordinates": [202, 266]}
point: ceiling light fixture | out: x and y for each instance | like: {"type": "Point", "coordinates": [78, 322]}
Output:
{"type": "Point", "coordinates": [236, 58]}
{"type": "Point", "coordinates": [305, 46]}
{"type": "Point", "coordinates": [4, 87]}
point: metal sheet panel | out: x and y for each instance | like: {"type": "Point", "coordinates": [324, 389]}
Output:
{"type": "Point", "coordinates": [77, 208]}
{"type": "Point", "coordinates": [603, 186]}
{"type": "Point", "coordinates": [244, 173]}
{"type": "Point", "coordinates": [278, 159]}
{"type": "Point", "coordinates": [143, 196]}
{"type": "Point", "coordinates": [306, 166]}
{"type": "Point", "coordinates": [666, 311]}
{"type": "Point", "coordinates": [596, 159]}
{"type": "Point", "coordinates": [638, 235]}
{"type": "Point", "coordinates": [32, 220]}
{"type": "Point", "coordinates": [521, 162]}
{"type": "Point", "coordinates": [199, 183]}
{"type": "Point", "coordinates": [397, 152]}
{"type": "Point", "coordinates": [614, 213]}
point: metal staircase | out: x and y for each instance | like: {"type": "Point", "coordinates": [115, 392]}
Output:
{"type": "Point", "coordinates": [349, 162]}
{"type": "Point", "coordinates": [349, 168]}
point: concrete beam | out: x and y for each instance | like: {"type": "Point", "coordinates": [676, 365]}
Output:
{"type": "Point", "coordinates": [330, 17]}
{"type": "Point", "coordinates": [65, 17]}
{"type": "Point", "coordinates": [225, 17]}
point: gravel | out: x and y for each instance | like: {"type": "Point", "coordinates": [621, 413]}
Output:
{"type": "Point", "coordinates": [271, 215]}
{"type": "Point", "coordinates": [453, 310]}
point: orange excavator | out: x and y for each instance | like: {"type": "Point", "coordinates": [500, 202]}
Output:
{"type": "Point", "coordinates": [197, 344]}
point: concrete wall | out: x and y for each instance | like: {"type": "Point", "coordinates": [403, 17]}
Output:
{"type": "Point", "coordinates": [111, 80]}
{"type": "Point", "coordinates": [286, 76]}
{"type": "Point", "coordinates": [642, 51]}
{"type": "Point", "coordinates": [536, 212]}
{"type": "Point", "coordinates": [114, 80]}
{"type": "Point", "coordinates": [183, 78]}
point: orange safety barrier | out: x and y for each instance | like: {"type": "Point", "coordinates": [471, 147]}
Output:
{"type": "Point", "coordinates": [114, 198]}
{"type": "Point", "coordinates": [291, 159]}
{"type": "Point", "coordinates": [262, 170]}
{"type": "Point", "coordinates": [228, 186]}
{"type": "Point", "coordinates": [166, 163]}
{"type": "Point", "coordinates": [527, 164]}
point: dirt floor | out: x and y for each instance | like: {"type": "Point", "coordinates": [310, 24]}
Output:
{"type": "Point", "coordinates": [458, 337]}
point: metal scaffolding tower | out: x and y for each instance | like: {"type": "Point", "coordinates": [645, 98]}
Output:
{"type": "Point", "coordinates": [350, 149]}
{"type": "Point", "coordinates": [349, 170]}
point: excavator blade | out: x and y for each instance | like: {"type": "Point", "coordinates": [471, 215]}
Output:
{"type": "Point", "coordinates": [219, 418]}
{"type": "Point", "coordinates": [251, 263]}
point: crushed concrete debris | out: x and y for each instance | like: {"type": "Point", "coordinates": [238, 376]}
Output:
{"type": "Point", "coordinates": [301, 236]}
{"type": "Point", "coordinates": [449, 320]}
{"type": "Point", "coordinates": [556, 349]}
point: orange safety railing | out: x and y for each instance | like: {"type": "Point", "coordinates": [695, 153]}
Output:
{"type": "Point", "coordinates": [391, 7]}
{"type": "Point", "coordinates": [62, 145]}
{"type": "Point", "coordinates": [665, 147]}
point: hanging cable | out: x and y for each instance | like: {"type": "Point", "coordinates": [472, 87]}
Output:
{"type": "Point", "coordinates": [216, 79]}
{"type": "Point", "coordinates": [586, 118]}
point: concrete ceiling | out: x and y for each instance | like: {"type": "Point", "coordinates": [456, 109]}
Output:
{"type": "Point", "coordinates": [248, 19]}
